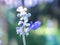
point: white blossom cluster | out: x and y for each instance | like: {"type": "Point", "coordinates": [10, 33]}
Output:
{"type": "Point", "coordinates": [23, 25]}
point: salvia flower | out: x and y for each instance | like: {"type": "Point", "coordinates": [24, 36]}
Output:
{"type": "Point", "coordinates": [35, 25]}
{"type": "Point", "coordinates": [23, 26]}
{"type": "Point", "coordinates": [20, 23]}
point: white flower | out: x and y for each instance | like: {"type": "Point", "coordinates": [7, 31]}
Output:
{"type": "Point", "coordinates": [19, 30]}
{"type": "Point", "coordinates": [28, 24]}
{"type": "Point", "coordinates": [21, 9]}
{"type": "Point", "coordinates": [25, 19]}
{"type": "Point", "coordinates": [23, 13]}
{"type": "Point", "coordinates": [26, 30]}
{"type": "Point", "coordinates": [21, 18]}
{"type": "Point", "coordinates": [27, 15]}
{"type": "Point", "coordinates": [25, 9]}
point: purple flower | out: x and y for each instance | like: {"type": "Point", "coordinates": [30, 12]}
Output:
{"type": "Point", "coordinates": [17, 28]}
{"type": "Point", "coordinates": [20, 23]}
{"type": "Point", "coordinates": [35, 25]}
{"type": "Point", "coordinates": [31, 23]}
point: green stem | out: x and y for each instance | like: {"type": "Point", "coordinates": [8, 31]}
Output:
{"type": "Point", "coordinates": [24, 41]}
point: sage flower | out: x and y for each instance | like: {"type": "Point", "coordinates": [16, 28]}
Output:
{"type": "Point", "coordinates": [23, 25]}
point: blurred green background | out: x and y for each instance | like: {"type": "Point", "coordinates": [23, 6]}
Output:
{"type": "Point", "coordinates": [48, 12]}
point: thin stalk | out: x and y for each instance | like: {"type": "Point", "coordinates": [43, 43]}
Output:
{"type": "Point", "coordinates": [24, 41]}
{"type": "Point", "coordinates": [23, 36]}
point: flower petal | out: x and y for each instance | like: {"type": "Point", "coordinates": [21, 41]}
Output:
{"type": "Point", "coordinates": [35, 25]}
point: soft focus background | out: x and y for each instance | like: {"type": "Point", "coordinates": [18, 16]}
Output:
{"type": "Point", "coordinates": [47, 11]}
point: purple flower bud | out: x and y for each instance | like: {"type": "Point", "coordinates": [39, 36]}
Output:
{"type": "Point", "coordinates": [20, 23]}
{"type": "Point", "coordinates": [35, 25]}
{"type": "Point", "coordinates": [17, 28]}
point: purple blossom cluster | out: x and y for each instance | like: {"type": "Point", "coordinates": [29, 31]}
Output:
{"type": "Point", "coordinates": [23, 25]}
